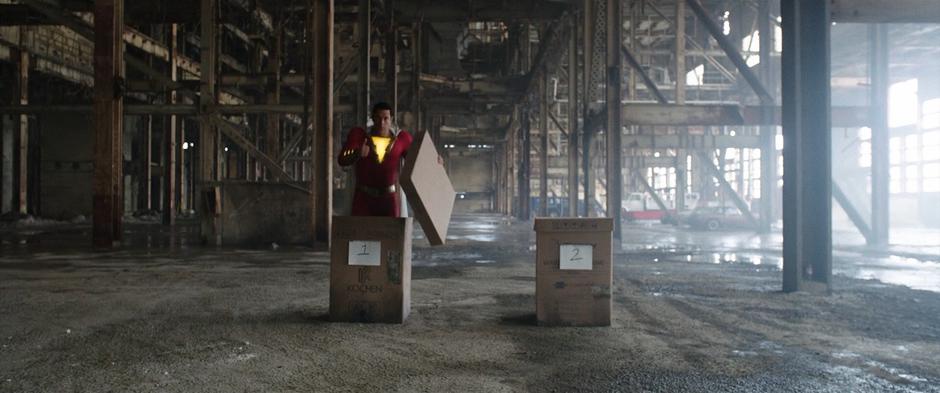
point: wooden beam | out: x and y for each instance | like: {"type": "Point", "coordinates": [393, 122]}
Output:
{"type": "Point", "coordinates": [109, 123]}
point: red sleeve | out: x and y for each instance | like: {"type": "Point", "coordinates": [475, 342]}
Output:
{"type": "Point", "coordinates": [405, 138]}
{"type": "Point", "coordinates": [350, 152]}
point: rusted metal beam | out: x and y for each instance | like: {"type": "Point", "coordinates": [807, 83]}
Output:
{"type": "Point", "coordinates": [208, 124]}
{"type": "Point", "coordinates": [321, 184]}
{"type": "Point", "coordinates": [109, 122]}
{"type": "Point", "coordinates": [543, 151]}
{"type": "Point", "coordinates": [690, 142]}
{"type": "Point", "coordinates": [614, 118]}
{"type": "Point", "coordinates": [170, 137]}
{"type": "Point", "coordinates": [885, 11]}
{"type": "Point", "coordinates": [680, 52]}
{"type": "Point", "coordinates": [650, 84]}
{"type": "Point", "coordinates": [854, 215]}
{"type": "Point", "coordinates": [768, 132]}
{"type": "Point", "coordinates": [651, 191]}
{"type": "Point", "coordinates": [272, 131]}
{"type": "Point", "coordinates": [710, 167]}
{"type": "Point", "coordinates": [166, 109]}
{"type": "Point", "coordinates": [22, 63]}
{"type": "Point", "coordinates": [557, 124]}
{"type": "Point", "coordinates": [391, 57]}
{"type": "Point", "coordinates": [730, 50]}
{"type": "Point", "coordinates": [572, 133]}
{"type": "Point", "coordinates": [807, 151]}
{"type": "Point", "coordinates": [480, 10]}
{"type": "Point", "coordinates": [364, 25]}
{"type": "Point", "coordinates": [237, 135]}
{"type": "Point", "coordinates": [879, 66]}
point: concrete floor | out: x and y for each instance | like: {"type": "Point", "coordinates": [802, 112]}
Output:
{"type": "Point", "coordinates": [693, 311]}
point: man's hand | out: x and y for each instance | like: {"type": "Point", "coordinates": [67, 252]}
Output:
{"type": "Point", "coordinates": [364, 150]}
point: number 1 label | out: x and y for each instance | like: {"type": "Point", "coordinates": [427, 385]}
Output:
{"type": "Point", "coordinates": [576, 256]}
{"type": "Point", "coordinates": [365, 253]}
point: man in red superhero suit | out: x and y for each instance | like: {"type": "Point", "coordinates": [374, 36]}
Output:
{"type": "Point", "coordinates": [377, 155]}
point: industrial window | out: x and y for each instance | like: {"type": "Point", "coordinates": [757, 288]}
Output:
{"type": "Point", "coordinates": [896, 150]}
{"type": "Point", "coordinates": [903, 104]}
{"type": "Point", "coordinates": [931, 115]}
{"type": "Point", "coordinates": [931, 161]}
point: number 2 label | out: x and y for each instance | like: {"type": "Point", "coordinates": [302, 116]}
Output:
{"type": "Point", "coordinates": [576, 256]}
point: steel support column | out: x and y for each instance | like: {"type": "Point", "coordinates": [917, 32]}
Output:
{"type": "Point", "coordinates": [807, 192]}
{"type": "Point", "coordinates": [573, 118]}
{"type": "Point", "coordinates": [543, 144]}
{"type": "Point", "coordinates": [880, 134]}
{"type": "Point", "coordinates": [272, 131]}
{"type": "Point", "coordinates": [391, 58]}
{"type": "Point", "coordinates": [205, 199]}
{"type": "Point", "coordinates": [680, 69]}
{"type": "Point", "coordinates": [768, 130]}
{"type": "Point", "coordinates": [525, 173]}
{"type": "Point", "coordinates": [21, 125]}
{"type": "Point", "coordinates": [170, 187]}
{"type": "Point", "coordinates": [365, 49]}
{"type": "Point", "coordinates": [416, 47]}
{"type": "Point", "coordinates": [322, 179]}
{"type": "Point", "coordinates": [614, 117]}
{"type": "Point", "coordinates": [109, 123]}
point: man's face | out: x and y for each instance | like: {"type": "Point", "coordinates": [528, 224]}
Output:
{"type": "Point", "coordinates": [382, 119]}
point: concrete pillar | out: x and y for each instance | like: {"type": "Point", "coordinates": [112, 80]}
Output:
{"type": "Point", "coordinates": [807, 197]}
{"type": "Point", "coordinates": [321, 37]}
{"type": "Point", "coordinates": [614, 117]}
{"type": "Point", "coordinates": [109, 123]}
{"type": "Point", "coordinates": [880, 134]}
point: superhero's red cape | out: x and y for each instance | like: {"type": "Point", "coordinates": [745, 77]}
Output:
{"type": "Point", "coordinates": [376, 183]}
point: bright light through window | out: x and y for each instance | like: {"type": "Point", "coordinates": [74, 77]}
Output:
{"type": "Point", "coordinates": [902, 103]}
{"type": "Point", "coordinates": [751, 45]}
{"type": "Point", "coordinates": [696, 77]}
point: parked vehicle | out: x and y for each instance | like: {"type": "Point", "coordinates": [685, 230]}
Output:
{"type": "Point", "coordinates": [641, 206]}
{"type": "Point", "coordinates": [717, 217]}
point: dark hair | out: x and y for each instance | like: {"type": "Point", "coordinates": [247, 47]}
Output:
{"type": "Point", "coordinates": [382, 106]}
